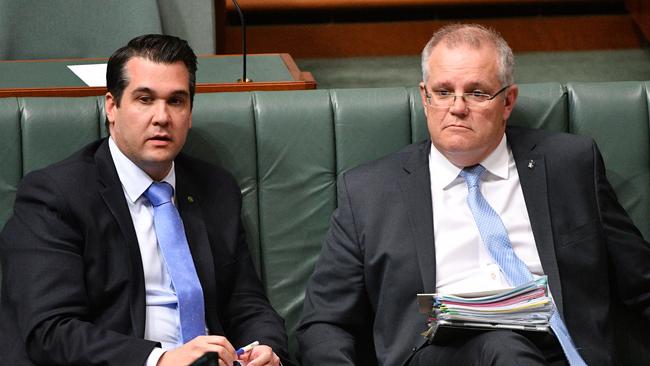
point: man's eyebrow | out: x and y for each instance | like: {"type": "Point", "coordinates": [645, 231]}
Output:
{"type": "Point", "coordinates": [450, 85]}
{"type": "Point", "coordinates": [146, 90]}
{"type": "Point", "coordinates": [476, 85]}
{"type": "Point", "coordinates": [180, 93]}
{"type": "Point", "coordinates": [143, 89]}
{"type": "Point", "coordinates": [441, 84]}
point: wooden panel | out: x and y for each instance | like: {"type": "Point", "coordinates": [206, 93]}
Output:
{"type": "Point", "coordinates": [525, 34]}
{"type": "Point", "coordinates": [640, 11]}
{"type": "Point", "coordinates": [220, 26]}
{"type": "Point", "coordinates": [270, 5]}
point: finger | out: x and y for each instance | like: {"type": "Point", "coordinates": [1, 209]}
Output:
{"type": "Point", "coordinates": [245, 357]}
{"type": "Point", "coordinates": [217, 344]}
{"type": "Point", "coordinates": [221, 341]}
{"type": "Point", "coordinates": [227, 357]}
{"type": "Point", "coordinates": [261, 355]}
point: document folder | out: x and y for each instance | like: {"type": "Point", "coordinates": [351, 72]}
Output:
{"type": "Point", "coordinates": [526, 308]}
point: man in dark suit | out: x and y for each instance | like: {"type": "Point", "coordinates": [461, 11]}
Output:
{"type": "Point", "coordinates": [85, 279]}
{"type": "Point", "coordinates": [403, 226]}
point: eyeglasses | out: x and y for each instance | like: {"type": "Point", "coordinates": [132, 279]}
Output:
{"type": "Point", "coordinates": [446, 99]}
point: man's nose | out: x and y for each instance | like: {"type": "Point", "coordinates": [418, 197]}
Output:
{"type": "Point", "coordinates": [458, 106]}
{"type": "Point", "coordinates": [161, 113]}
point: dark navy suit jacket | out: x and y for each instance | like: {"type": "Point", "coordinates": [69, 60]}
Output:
{"type": "Point", "coordinates": [74, 289]}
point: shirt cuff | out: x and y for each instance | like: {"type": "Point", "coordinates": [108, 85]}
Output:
{"type": "Point", "coordinates": [154, 356]}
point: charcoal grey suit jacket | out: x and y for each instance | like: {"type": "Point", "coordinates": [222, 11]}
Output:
{"type": "Point", "coordinates": [379, 252]}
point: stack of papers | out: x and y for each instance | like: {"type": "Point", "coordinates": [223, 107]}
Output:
{"type": "Point", "coordinates": [526, 307]}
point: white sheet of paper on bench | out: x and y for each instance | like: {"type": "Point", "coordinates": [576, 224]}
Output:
{"type": "Point", "coordinates": [91, 74]}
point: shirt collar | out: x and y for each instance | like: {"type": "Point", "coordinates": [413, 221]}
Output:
{"type": "Point", "coordinates": [134, 180]}
{"type": "Point", "coordinates": [446, 173]}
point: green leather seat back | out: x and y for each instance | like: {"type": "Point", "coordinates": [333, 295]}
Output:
{"type": "Point", "coordinates": [542, 105]}
{"type": "Point", "coordinates": [369, 124]}
{"type": "Point", "coordinates": [35, 132]}
{"type": "Point", "coordinates": [36, 29]}
{"type": "Point", "coordinates": [223, 133]}
{"type": "Point", "coordinates": [56, 128]}
{"type": "Point", "coordinates": [11, 153]}
{"type": "Point", "coordinates": [296, 162]}
{"type": "Point", "coordinates": [193, 21]}
{"type": "Point", "coordinates": [616, 116]}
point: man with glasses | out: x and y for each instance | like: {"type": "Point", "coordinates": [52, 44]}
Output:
{"type": "Point", "coordinates": [480, 206]}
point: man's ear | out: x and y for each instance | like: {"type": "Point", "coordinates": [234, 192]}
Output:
{"type": "Point", "coordinates": [110, 104]}
{"type": "Point", "coordinates": [423, 96]}
{"type": "Point", "coordinates": [511, 98]}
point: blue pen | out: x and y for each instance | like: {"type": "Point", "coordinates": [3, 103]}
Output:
{"type": "Point", "coordinates": [247, 348]}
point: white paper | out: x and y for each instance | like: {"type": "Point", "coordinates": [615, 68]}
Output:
{"type": "Point", "coordinates": [91, 74]}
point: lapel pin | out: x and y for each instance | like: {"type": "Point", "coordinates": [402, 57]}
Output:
{"type": "Point", "coordinates": [531, 164]}
{"type": "Point", "coordinates": [190, 199]}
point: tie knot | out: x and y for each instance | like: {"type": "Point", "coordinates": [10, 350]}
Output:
{"type": "Point", "coordinates": [159, 193]}
{"type": "Point", "coordinates": [472, 174]}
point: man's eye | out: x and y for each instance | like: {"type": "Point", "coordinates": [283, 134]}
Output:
{"type": "Point", "coordinates": [145, 99]}
{"type": "Point", "coordinates": [476, 94]}
{"type": "Point", "coordinates": [176, 101]}
{"type": "Point", "coordinates": [443, 93]}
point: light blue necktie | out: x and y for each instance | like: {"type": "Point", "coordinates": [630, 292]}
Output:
{"type": "Point", "coordinates": [495, 238]}
{"type": "Point", "coordinates": [178, 260]}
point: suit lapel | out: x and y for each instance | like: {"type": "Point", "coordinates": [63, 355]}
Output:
{"type": "Point", "coordinates": [531, 167]}
{"type": "Point", "coordinates": [188, 201]}
{"type": "Point", "coordinates": [113, 197]}
{"type": "Point", "coordinates": [416, 191]}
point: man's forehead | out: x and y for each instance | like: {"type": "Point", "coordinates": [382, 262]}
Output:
{"type": "Point", "coordinates": [476, 63]}
{"type": "Point", "coordinates": [147, 63]}
{"type": "Point", "coordinates": [455, 48]}
{"type": "Point", "coordinates": [143, 70]}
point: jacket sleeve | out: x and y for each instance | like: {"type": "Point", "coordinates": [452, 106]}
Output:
{"type": "Point", "coordinates": [336, 314]}
{"type": "Point", "coordinates": [628, 251]}
{"type": "Point", "coordinates": [249, 315]}
{"type": "Point", "coordinates": [45, 288]}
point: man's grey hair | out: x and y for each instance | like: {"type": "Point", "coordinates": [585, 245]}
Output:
{"type": "Point", "coordinates": [475, 36]}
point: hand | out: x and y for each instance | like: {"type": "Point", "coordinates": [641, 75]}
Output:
{"type": "Point", "coordinates": [261, 356]}
{"type": "Point", "coordinates": [197, 347]}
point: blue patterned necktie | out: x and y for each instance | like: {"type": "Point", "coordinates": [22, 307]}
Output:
{"type": "Point", "coordinates": [178, 260]}
{"type": "Point", "coordinates": [497, 242]}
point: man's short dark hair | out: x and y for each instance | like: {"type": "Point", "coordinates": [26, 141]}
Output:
{"type": "Point", "coordinates": [158, 48]}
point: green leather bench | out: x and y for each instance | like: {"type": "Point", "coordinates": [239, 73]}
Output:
{"type": "Point", "coordinates": [287, 148]}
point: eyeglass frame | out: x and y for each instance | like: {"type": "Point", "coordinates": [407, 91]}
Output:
{"type": "Point", "coordinates": [463, 96]}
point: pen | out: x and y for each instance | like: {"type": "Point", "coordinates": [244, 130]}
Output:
{"type": "Point", "coordinates": [247, 348]}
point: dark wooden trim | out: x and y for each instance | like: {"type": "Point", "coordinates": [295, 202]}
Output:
{"type": "Point", "coordinates": [255, 86]}
{"type": "Point", "coordinates": [524, 34]}
{"type": "Point", "coordinates": [272, 5]}
{"type": "Point", "coordinates": [103, 60]}
{"type": "Point", "coordinates": [640, 12]}
{"type": "Point", "coordinates": [87, 91]}
{"type": "Point", "coordinates": [220, 26]}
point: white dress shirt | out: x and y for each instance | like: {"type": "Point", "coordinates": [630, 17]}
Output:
{"type": "Point", "coordinates": [162, 322]}
{"type": "Point", "coordinates": [463, 264]}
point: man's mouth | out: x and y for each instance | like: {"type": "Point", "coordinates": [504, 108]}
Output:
{"type": "Point", "coordinates": [164, 138]}
{"type": "Point", "coordinates": [457, 125]}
